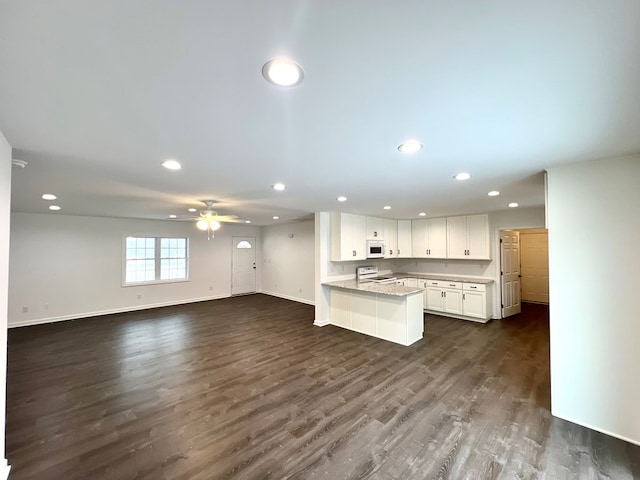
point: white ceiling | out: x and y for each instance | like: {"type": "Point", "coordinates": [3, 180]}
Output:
{"type": "Point", "coordinates": [94, 95]}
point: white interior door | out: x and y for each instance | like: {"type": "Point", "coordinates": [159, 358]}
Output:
{"type": "Point", "coordinates": [243, 268]}
{"type": "Point", "coordinates": [510, 272]}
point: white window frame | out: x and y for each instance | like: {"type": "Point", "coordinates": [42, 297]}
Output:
{"type": "Point", "coordinates": [157, 259]}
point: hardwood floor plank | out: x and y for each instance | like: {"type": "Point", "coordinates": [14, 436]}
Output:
{"type": "Point", "coordinates": [248, 388]}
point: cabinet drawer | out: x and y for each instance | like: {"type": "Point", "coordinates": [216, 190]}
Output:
{"type": "Point", "coordinates": [456, 285]}
{"type": "Point", "coordinates": [474, 287]}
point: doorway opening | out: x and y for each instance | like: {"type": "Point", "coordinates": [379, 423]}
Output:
{"type": "Point", "coordinates": [524, 268]}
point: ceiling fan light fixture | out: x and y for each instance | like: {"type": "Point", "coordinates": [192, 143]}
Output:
{"type": "Point", "coordinates": [214, 225]}
{"type": "Point", "coordinates": [202, 225]}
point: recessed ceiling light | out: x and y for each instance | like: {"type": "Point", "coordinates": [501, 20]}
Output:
{"type": "Point", "coordinates": [275, 217]}
{"type": "Point", "coordinates": [278, 186]}
{"type": "Point", "coordinates": [493, 193]}
{"type": "Point", "coordinates": [247, 221]}
{"type": "Point", "coordinates": [172, 216]}
{"type": "Point", "coordinates": [171, 164]}
{"type": "Point", "coordinates": [462, 176]}
{"type": "Point", "coordinates": [192, 210]}
{"type": "Point", "coordinates": [54, 207]}
{"type": "Point", "coordinates": [282, 72]}
{"type": "Point", "coordinates": [49, 196]}
{"type": "Point", "coordinates": [387, 207]}
{"type": "Point", "coordinates": [422, 214]}
{"type": "Point", "coordinates": [513, 205]}
{"type": "Point", "coordinates": [410, 146]}
{"type": "Point", "coordinates": [342, 198]}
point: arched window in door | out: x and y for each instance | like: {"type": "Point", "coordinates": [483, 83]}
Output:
{"type": "Point", "coordinates": [243, 244]}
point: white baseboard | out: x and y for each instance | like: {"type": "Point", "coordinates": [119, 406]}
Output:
{"type": "Point", "coordinates": [4, 469]}
{"type": "Point", "coordinates": [320, 323]}
{"type": "Point", "coordinates": [601, 430]}
{"type": "Point", "coordinates": [133, 308]}
{"type": "Point", "coordinates": [289, 297]}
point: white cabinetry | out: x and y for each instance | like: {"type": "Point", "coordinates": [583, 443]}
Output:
{"type": "Point", "coordinates": [474, 300]}
{"type": "Point", "coordinates": [348, 237]}
{"type": "Point", "coordinates": [404, 238]}
{"type": "Point", "coordinates": [468, 237]}
{"type": "Point", "coordinates": [375, 228]}
{"type": "Point", "coordinates": [444, 296]}
{"type": "Point", "coordinates": [390, 238]}
{"type": "Point", "coordinates": [429, 238]}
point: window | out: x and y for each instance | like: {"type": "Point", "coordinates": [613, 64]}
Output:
{"type": "Point", "coordinates": [243, 244]}
{"type": "Point", "coordinates": [155, 259]}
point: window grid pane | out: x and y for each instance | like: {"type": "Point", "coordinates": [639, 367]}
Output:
{"type": "Point", "coordinates": [142, 256]}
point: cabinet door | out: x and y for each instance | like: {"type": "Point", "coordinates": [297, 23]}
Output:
{"type": "Point", "coordinates": [419, 238]}
{"type": "Point", "coordinates": [456, 237]}
{"type": "Point", "coordinates": [375, 228]}
{"type": "Point", "coordinates": [478, 237]}
{"type": "Point", "coordinates": [423, 284]}
{"type": "Point", "coordinates": [404, 238]}
{"type": "Point", "coordinates": [474, 304]}
{"type": "Point", "coordinates": [412, 282]}
{"type": "Point", "coordinates": [390, 238]}
{"type": "Point", "coordinates": [453, 300]}
{"type": "Point", "coordinates": [435, 299]}
{"type": "Point", "coordinates": [437, 238]}
{"type": "Point", "coordinates": [358, 237]}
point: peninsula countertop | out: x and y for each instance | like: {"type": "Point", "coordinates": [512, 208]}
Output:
{"type": "Point", "coordinates": [372, 287]}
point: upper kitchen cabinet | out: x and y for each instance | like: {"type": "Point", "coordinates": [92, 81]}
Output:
{"type": "Point", "coordinates": [468, 237]}
{"type": "Point", "coordinates": [375, 228]}
{"type": "Point", "coordinates": [429, 238]}
{"type": "Point", "coordinates": [404, 238]}
{"type": "Point", "coordinates": [390, 238]}
{"type": "Point", "coordinates": [348, 237]}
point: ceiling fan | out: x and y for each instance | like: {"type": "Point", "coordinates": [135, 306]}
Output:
{"type": "Point", "coordinates": [209, 221]}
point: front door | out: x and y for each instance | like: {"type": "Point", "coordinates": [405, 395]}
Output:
{"type": "Point", "coordinates": [243, 271]}
{"type": "Point", "coordinates": [510, 272]}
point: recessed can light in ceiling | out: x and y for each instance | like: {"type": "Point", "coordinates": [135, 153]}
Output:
{"type": "Point", "coordinates": [410, 146]}
{"type": "Point", "coordinates": [192, 210]}
{"type": "Point", "coordinates": [462, 176]}
{"type": "Point", "coordinates": [282, 72]}
{"type": "Point", "coordinates": [342, 198]}
{"type": "Point", "coordinates": [171, 164]}
{"type": "Point", "coordinates": [493, 193]}
{"type": "Point", "coordinates": [247, 221]}
{"type": "Point", "coordinates": [55, 208]}
{"type": "Point", "coordinates": [513, 205]}
{"type": "Point", "coordinates": [49, 196]}
{"type": "Point", "coordinates": [278, 186]}
{"type": "Point", "coordinates": [275, 217]}
{"type": "Point", "coordinates": [172, 216]}
{"type": "Point", "coordinates": [387, 207]}
{"type": "Point", "coordinates": [422, 214]}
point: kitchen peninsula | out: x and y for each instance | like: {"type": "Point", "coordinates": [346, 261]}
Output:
{"type": "Point", "coordinates": [387, 311]}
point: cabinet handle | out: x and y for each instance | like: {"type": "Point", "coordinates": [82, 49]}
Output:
{"type": "Point", "coordinates": [473, 286]}
{"type": "Point", "coordinates": [464, 296]}
{"type": "Point", "coordinates": [452, 284]}
{"type": "Point", "coordinates": [375, 234]}
{"type": "Point", "coordinates": [354, 253]}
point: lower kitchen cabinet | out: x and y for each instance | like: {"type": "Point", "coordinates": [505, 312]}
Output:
{"type": "Point", "coordinates": [474, 300]}
{"type": "Point", "coordinates": [456, 299]}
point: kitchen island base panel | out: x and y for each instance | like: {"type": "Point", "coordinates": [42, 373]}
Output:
{"type": "Point", "coordinates": [398, 319]}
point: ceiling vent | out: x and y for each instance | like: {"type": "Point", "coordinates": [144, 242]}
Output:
{"type": "Point", "coordinates": [18, 163]}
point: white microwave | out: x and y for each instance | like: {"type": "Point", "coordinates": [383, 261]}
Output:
{"type": "Point", "coordinates": [375, 249]}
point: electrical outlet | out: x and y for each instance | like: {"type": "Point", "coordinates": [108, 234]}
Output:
{"type": "Point", "coordinates": [139, 296]}
{"type": "Point", "coordinates": [46, 306]}
{"type": "Point", "coordinates": [25, 309]}
{"type": "Point", "coordinates": [300, 290]}
{"type": "Point", "coordinates": [211, 288]}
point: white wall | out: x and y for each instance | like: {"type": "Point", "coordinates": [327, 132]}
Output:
{"type": "Point", "coordinates": [594, 260]}
{"type": "Point", "coordinates": [288, 261]}
{"type": "Point", "coordinates": [5, 202]}
{"type": "Point", "coordinates": [65, 266]}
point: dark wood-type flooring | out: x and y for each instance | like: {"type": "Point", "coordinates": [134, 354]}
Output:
{"type": "Point", "coordinates": [247, 387]}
